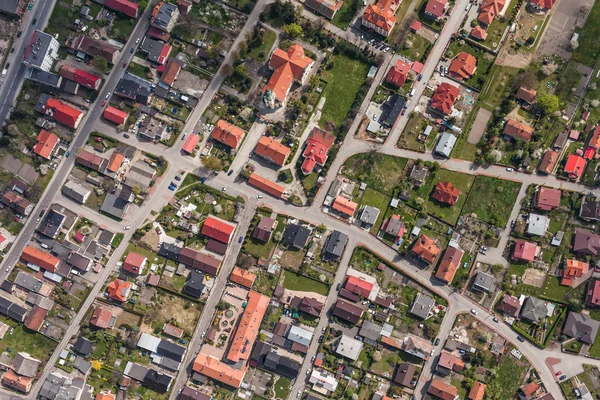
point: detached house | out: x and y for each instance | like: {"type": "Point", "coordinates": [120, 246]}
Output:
{"type": "Point", "coordinates": [271, 150]}
{"type": "Point", "coordinates": [327, 8]}
{"type": "Point", "coordinates": [164, 16]}
{"type": "Point", "coordinates": [46, 143]}
{"type": "Point", "coordinates": [134, 263]}
{"type": "Point", "coordinates": [379, 17]}
{"type": "Point", "coordinates": [463, 66]}
{"type": "Point", "coordinates": [317, 146]}
{"type": "Point", "coordinates": [575, 166]}
{"type": "Point", "coordinates": [518, 131]}
{"type": "Point", "coordinates": [444, 98]}
{"type": "Point", "coordinates": [426, 249]}
{"type": "Point", "coordinates": [228, 134]}
{"type": "Point", "coordinates": [489, 10]}
{"type": "Point", "coordinates": [573, 269]}
{"type": "Point", "coordinates": [526, 96]}
{"type": "Point", "coordinates": [542, 5]}
{"type": "Point", "coordinates": [62, 113]}
{"type": "Point", "coordinates": [586, 242]}
{"type": "Point", "coordinates": [449, 264]}
{"type": "Point", "coordinates": [18, 204]}
{"type": "Point", "coordinates": [547, 199]}
{"type": "Point", "coordinates": [217, 229]}
{"type": "Point", "coordinates": [288, 67]}
{"type": "Point", "coordinates": [445, 193]}
{"type": "Point", "coordinates": [435, 8]}
{"type": "Point", "coordinates": [398, 74]}
{"type": "Point", "coordinates": [590, 209]}
{"type": "Point", "coordinates": [126, 7]}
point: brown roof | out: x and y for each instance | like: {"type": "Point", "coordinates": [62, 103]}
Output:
{"type": "Point", "coordinates": [404, 375]}
{"type": "Point", "coordinates": [509, 305]}
{"type": "Point", "coordinates": [548, 162]}
{"type": "Point", "coordinates": [442, 390]}
{"type": "Point", "coordinates": [171, 71]}
{"type": "Point", "coordinates": [228, 134]}
{"type": "Point", "coordinates": [518, 130]}
{"type": "Point", "coordinates": [449, 264]}
{"type": "Point", "coordinates": [263, 229]}
{"type": "Point", "coordinates": [477, 391]}
{"type": "Point", "coordinates": [14, 381]}
{"type": "Point", "coordinates": [527, 95]}
{"type": "Point", "coordinates": [426, 249]}
{"type": "Point", "coordinates": [101, 317]}
{"type": "Point", "coordinates": [347, 311]}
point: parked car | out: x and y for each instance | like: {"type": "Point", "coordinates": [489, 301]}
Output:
{"type": "Point", "coordinates": [103, 103]}
{"type": "Point", "coordinates": [241, 239]}
{"type": "Point", "coordinates": [437, 341]}
{"type": "Point", "coordinates": [177, 177]}
{"type": "Point", "coordinates": [34, 21]}
{"type": "Point", "coordinates": [474, 311]}
{"type": "Point", "coordinates": [131, 51]}
{"type": "Point", "coordinates": [520, 338]}
{"type": "Point", "coordinates": [495, 319]}
{"type": "Point", "coordinates": [171, 188]}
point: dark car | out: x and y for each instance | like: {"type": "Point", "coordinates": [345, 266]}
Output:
{"type": "Point", "coordinates": [321, 338]}
{"type": "Point", "coordinates": [126, 136]}
{"type": "Point", "coordinates": [177, 178]}
{"type": "Point", "coordinates": [131, 51]}
{"type": "Point", "coordinates": [229, 172]}
{"type": "Point", "coordinates": [42, 213]}
{"type": "Point", "coordinates": [339, 285]}
{"type": "Point", "coordinates": [420, 77]}
{"type": "Point", "coordinates": [12, 50]}
{"type": "Point", "coordinates": [241, 239]}
{"type": "Point", "coordinates": [19, 33]}
{"type": "Point", "coordinates": [520, 338]}
{"type": "Point", "coordinates": [34, 21]}
{"type": "Point", "coordinates": [437, 341]}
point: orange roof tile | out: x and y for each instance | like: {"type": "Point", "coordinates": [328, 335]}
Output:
{"type": "Point", "coordinates": [446, 193]}
{"type": "Point", "coordinates": [242, 277]}
{"type": "Point", "coordinates": [479, 33]}
{"type": "Point", "coordinates": [287, 65]}
{"type": "Point", "coordinates": [46, 142]}
{"type": "Point", "coordinates": [548, 161]}
{"type": "Point", "coordinates": [266, 185]}
{"type": "Point", "coordinates": [444, 97]}
{"type": "Point", "coordinates": [381, 14]}
{"type": "Point", "coordinates": [42, 259]}
{"type": "Point", "coordinates": [17, 382]}
{"type": "Point", "coordinates": [228, 134]}
{"type": "Point", "coordinates": [573, 269]}
{"type": "Point", "coordinates": [272, 150]}
{"type": "Point", "coordinates": [345, 206]}
{"type": "Point", "coordinates": [115, 161]}
{"type": "Point", "coordinates": [217, 229]}
{"type": "Point", "coordinates": [398, 73]}
{"type": "Point", "coordinates": [449, 264]}
{"type": "Point", "coordinates": [426, 249]}
{"type": "Point", "coordinates": [190, 143]}
{"type": "Point", "coordinates": [219, 371]}
{"type": "Point", "coordinates": [489, 10]}
{"type": "Point", "coordinates": [477, 391]}
{"type": "Point", "coordinates": [442, 390]}
{"type": "Point", "coordinates": [463, 66]}
{"type": "Point", "coordinates": [527, 95]}
{"type": "Point", "coordinates": [119, 290]}
{"type": "Point", "coordinates": [248, 327]}
{"type": "Point", "coordinates": [517, 130]}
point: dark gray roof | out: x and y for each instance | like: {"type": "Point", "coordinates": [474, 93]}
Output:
{"type": "Point", "coordinates": [421, 306]}
{"type": "Point", "coordinates": [534, 309]}
{"type": "Point", "coordinates": [152, 48]}
{"type": "Point", "coordinates": [82, 364]}
{"type": "Point", "coordinates": [484, 282]}
{"type": "Point", "coordinates": [43, 77]}
{"type": "Point", "coordinates": [114, 206]}
{"type": "Point", "coordinates": [7, 286]}
{"type": "Point", "coordinates": [192, 394]}
{"type": "Point", "coordinates": [82, 346]}
{"type": "Point", "coordinates": [171, 350]}
{"type": "Point", "coordinates": [78, 261]}
{"type": "Point", "coordinates": [17, 312]}
{"type": "Point", "coordinates": [134, 88]}
{"type": "Point", "coordinates": [165, 14]}
{"type": "Point", "coordinates": [194, 284]}
{"type": "Point", "coordinates": [157, 381]}
{"type": "Point", "coordinates": [169, 251]}
{"type": "Point", "coordinates": [296, 236]}
{"type": "Point", "coordinates": [581, 327]}
{"type": "Point", "coordinates": [392, 109]}
{"type": "Point", "coordinates": [106, 237]}
{"type": "Point", "coordinates": [10, 7]}
{"type": "Point", "coordinates": [335, 245]}
{"type": "Point", "coordinates": [52, 224]}
{"type": "Point", "coordinates": [37, 47]}
{"type": "Point", "coordinates": [28, 282]}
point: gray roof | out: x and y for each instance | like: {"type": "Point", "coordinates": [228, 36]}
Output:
{"type": "Point", "coordinates": [299, 335]}
{"type": "Point", "coordinates": [349, 347]}
{"type": "Point", "coordinates": [37, 47]}
{"type": "Point", "coordinates": [78, 261]}
{"type": "Point", "coordinates": [106, 238]}
{"type": "Point", "coordinates": [143, 169]}
{"type": "Point", "coordinates": [165, 14]}
{"type": "Point", "coordinates": [445, 144]}
{"type": "Point", "coordinates": [581, 327]}
{"type": "Point", "coordinates": [419, 173]}
{"type": "Point", "coordinates": [10, 6]}
{"type": "Point", "coordinates": [28, 282]}
{"type": "Point", "coordinates": [335, 245]}
{"type": "Point", "coordinates": [135, 371]}
{"type": "Point", "coordinates": [26, 365]}
{"type": "Point", "coordinates": [82, 364]}
{"type": "Point", "coordinates": [370, 330]}
{"type": "Point", "coordinates": [153, 48]}
{"type": "Point", "coordinates": [421, 306]}
{"type": "Point", "coordinates": [114, 206]}
{"type": "Point", "coordinates": [537, 224]}
{"type": "Point", "coordinates": [76, 191]}
{"type": "Point", "coordinates": [43, 77]}
{"type": "Point", "coordinates": [59, 387]}
{"type": "Point", "coordinates": [484, 282]}
{"type": "Point", "coordinates": [368, 215]}
{"type": "Point", "coordinates": [534, 309]}
{"type": "Point", "coordinates": [296, 236]}
{"type": "Point", "coordinates": [133, 178]}
{"type": "Point", "coordinates": [39, 300]}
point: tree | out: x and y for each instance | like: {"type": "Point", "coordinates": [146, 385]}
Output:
{"type": "Point", "coordinates": [13, 130]}
{"type": "Point", "coordinates": [548, 103]}
{"type": "Point", "coordinates": [96, 365]}
{"type": "Point", "coordinates": [293, 30]}
{"type": "Point", "coordinates": [227, 70]}
{"type": "Point", "coordinates": [549, 69]}
{"type": "Point", "coordinates": [212, 163]}
{"type": "Point", "coordinates": [574, 44]}
{"type": "Point", "coordinates": [100, 63]}
{"type": "Point", "coordinates": [143, 4]}
{"type": "Point", "coordinates": [136, 189]}
{"type": "Point", "coordinates": [527, 79]}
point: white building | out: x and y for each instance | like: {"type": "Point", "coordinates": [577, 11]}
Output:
{"type": "Point", "coordinates": [323, 382]}
{"type": "Point", "coordinates": [349, 347]}
{"type": "Point", "coordinates": [41, 51]}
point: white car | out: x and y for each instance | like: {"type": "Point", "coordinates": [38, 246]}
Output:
{"type": "Point", "coordinates": [108, 95]}
{"type": "Point", "coordinates": [126, 228]}
{"type": "Point", "coordinates": [509, 170]}
{"type": "Point", "coordinates": [137, 40]}
{"type": "Point", "coordinates": [474, 311]}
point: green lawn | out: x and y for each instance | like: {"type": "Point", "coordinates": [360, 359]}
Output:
{"type": "Point", "coordinates": [484, 61]}
{"type": "Point", "coordinates": [589, 45]}
{"type": "Point", "coordinates": [509, 376]}
{"type": "Point", "coordinates": [149, 254]}
{"type": "Point", "coordinates": [492, 199]}
{"type": "Point", "coordinates": [122, 28]}
{"type": "Point", "coordinates": [258, 249]}
{"type": "Point", "coordinates": [36, 344]}
{"type": "Point", "coordinates": [138, 70]}
{"type": "Point", "coordinates": [416, 125]}
{"type": "Point", "coordinates": [344, 16]}
{"type": "Point", "coordinates": [261, 52]}
{"type": "Point", "coordinates": [378, 200]}
{"type": "Point", "coordinates": [497, 28]}
{"type": "Point", "coordinates": [567, 79]}
{"type": "Point", "coordinates": [343, 82]}
{"type": "Point", "coordinates": [493, 92]}
{"type": "Point", "coordinates": [294, 281]}
{"type": "Point", "coordinates": [419, 49]}
{"type": "Point", "coordinates": [381, 172]}
{"type": "Point", "coordinates": [462, 182]}
{"type": "Point", "coordinates": [282, 388]}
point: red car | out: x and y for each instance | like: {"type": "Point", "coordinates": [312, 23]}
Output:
{"type": "Point", "coordinates": [103, 103]}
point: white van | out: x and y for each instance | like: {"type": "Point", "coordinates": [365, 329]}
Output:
{"type": "Point", "coordinates": [412, 93]}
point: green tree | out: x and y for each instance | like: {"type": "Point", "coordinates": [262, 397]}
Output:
{"type": "Point", "coordinates": [293, 30]}
{"type": "Point", "coordinates": [212, 162]}
{"type": "Point", "coordinates": [548, 103]}
{"type": "Point", "coordinates": [100, 63]}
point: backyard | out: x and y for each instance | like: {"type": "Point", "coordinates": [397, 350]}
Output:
{"type": "Point", "coordinates": [343, 17]}
{"type": "Point", "coordinates": [378, 200]}
{"type": "Point", "coordinates": [381, 172]}
{"type": "Point", "coordinates": [34, 343]}
{"type": "Point", "coordinates": [414, 127]}
{"type": "Point", "coordinates": [589, 45]}
{"type": "Point", "coordinates": [462, 182]}
{"type": "Point", "coordinates": [261, 52]}
{"type": "Point", "coordinates": [484, 61]}
{"type": "Point", "coordinates": [492, 199]}
{"type": "Point", "coordinates": [343, 83]}
{"type": "Point", "coordinates": [301, 283]}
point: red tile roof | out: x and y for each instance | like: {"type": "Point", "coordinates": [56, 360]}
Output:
{"type": "Point", "coordinates": [444, 98]}
{"type": "Point", "coordinates": [242, 277]}
{"type": "Point", "coordinates": [101, 317]}
{"type": "Point", "coordinates": [217, 229]}
{"type": "Point", "coordinates": [63, 113]}
{"type": "Point", "coordinates": [446, 193]}
{"type": "Point", "coordinates": [477, 391]}
{"type": "Point", "coordinates": [479, 33]}
{"type": "Point", "coordinates": [171, 71]}
{"type": "Point", "coordinates": [287, 65]}
{"type": "Point", "coordinates": [115, 162]}
{"type": "Point", "coordinates": [35, 318]}
{"type": "Point", "coordinates": [345, 206]}
{"type": "Point", "coordinates": [426, 249]}
{"type": "Point", "coordinates": [548, 161]}
{"type": "Point", "coordinates": [548, 198]}
{"type": "Point", "coordinates": [436, 7]}
{"type": "Point", "coordinates": [527, 95]}
{"type": "Point", "coordinates": [119, 290]}
{"type": "Point", "coordinates": [442, 390]}
{"type": "Point", "coordinates": [190, 143]}
{"type": "Point", "coordinates": [415, 25]}
{"type": "Point", "coordinates": [115, 115]}
{"type": "Point", "coordinates": [17, 382]}
{"type": "Point", "coordinates": [242, 340]}
{"type": "Point", "coordinates": [525, 251]}
{"type": "Point", "coordinates": [489, 10]}
{"type": "Point", "coordinates": [317, 146]}
{"type": "Point", "coordinates": [266, 185]}
{"type": "Point", "coordinates": [381, 14]}
{"type": "Point", "coordinates": [134, 263]}
{"type": "Point", "coordinates": [46, 142]}
{"type": "Point", "coordinates": [573, 269]}
{"type": "Point", "coordinates": [128, 8]}
{"type": "Point", "coordinates": [228, 134]}
{"type": "Point", "coordinates": [173, 331]}
{"type": "Point", "coordinates": [358, 286]}
{"type": "Point", "coordinates": [463, 66]}
{"type": "Point", "coordinates": [272, 150]}
{"type": "Point", "coordinates": [575, 166]}
{"type": "Point", "coordinates": [544, 4]}
{"type": "Point", "coordinates": [84, 78]}
{"type": "Point", "coordinates": [219, 371]}
{"type": "Point", "coordinates": [518, 130]}
{"type": "Point", "coordinates": [449, 264]}
{"type": "Point", "coordinates": [158, 34]}
{"type": "Point", "coordinates": [398, 73]}
{"type": "Point", "coordinates": [593, 293]}
{"type": "Point", "coordinates": [42, 259]}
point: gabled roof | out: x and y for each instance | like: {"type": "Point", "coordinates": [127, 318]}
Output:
{"type": "Point", "coordinates": [344, 206]}
{"type": "Point", "coordinates": [101, 317]}
{"type": "Point", "coordinates": [190, 143]}
{"type": "Point", "coordinates": [436, 7]}
{"type": "Point", "coordinates": [217, 229]}
{"type": "Point", "coordinates": [63, 113]}
{"type": "Point", "coordinates": [242, 277]}
{"type": "Point", "coordinates": [509, 305]}
{"type": "Point", "coordinates": [266, 185]}
{"type": "Point", "coordinates": [272, 150]}
{"type": "Point", "coordinates": [134, 263]}
{"type": "Point", "coordinates": [586, 242]}
{"type": "Point", "coordinates": [40, 258]}
{"type": "Point", "coordinates": [463, 66]}
{"type": "Point", "coordinates": [288, 66]}
{"type": "Point", "coordinates": [398, 73]}
{"type": "Point", "coordinates": [449, 264]}
{"type": "Point", "coordinates": [426, 249]}
{"type": "Point", "coordinates": [444, 97]}
{"type": "Point", "coordinates": [527, 95]}
{"type": "Point", "coordinates": [347, 311]}
{"type": "Point", "coordinates": [477, 391]}
{"type": "Point", "coordinates": [171, 71]}
{"type": "Point", "coordinates": [592, 297]}
{"type": "Point", "coordinates": [317, 146]}
{"type": "Point", "coordinates": [115, 162]}
{"type": "Point", "coordinates": [247, 330]}
{"type": "Point", "coordinates": [548, 161]}
{"type": "Point", "coordinates": [575, 166]}
{"type": "Point", "coordinates": [479, 33]}
{"type": "Point", "coordinates": [489, 10]}
{"type": "Point", "coordinates": [219, 371]}
{"type": "Point", "coordinates": [543, 4]}
{"type": "Point", "coordinates": [228, 134]}
{"type": "Point", "coordinates": [446, 193]}
{"type": "Point", "coordinates": [381, 14]}
{"type": "Point", "coordinates": [573, 269]}
{"type": "Point", "coordinates": [127, 7]}
{"type": "Point", "coordinates": [46, 142]}
{"type": "Point", "coordinates": [518, 130]}
{"type": "Point", "coordinates": [442, 390]}
{"type": "Point", "coordinates": [115, 115]}
{"type": "Point", "coordinates": [525, 251]}
{"type": "Point", "coordinates": [548, 198]}
{"type": "Point", "coordinates": [119, 290]}
{"type": "Point", "coordinates": [358, 286]}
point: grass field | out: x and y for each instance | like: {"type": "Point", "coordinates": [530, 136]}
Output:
{"type": "Point", "coordinates": [419, 47]}
{"type": "Point", "coordinates": [34, 343]}
{"type": "Point", "coordinates": [294, 281]}
{"type": "Point", "coordinates": [344, 16]}
{"type": "Point", "coordinates": [492, 199]}
{"type": "Point", "coordinates": [510, 375]}
{"type": "Point", "coordinates": [378, 200]}
{"type": "Point", "coordinates": [343, 82]}
{"type": "Point", "coordinates": [462, 182]}
{"type": "Point", "coordinates": [265, 47]}
{"type": "Point", "coordinates": [484, 61]}
{"type": "Point", "coordinates": [497, 27]}
{"type": "Point", "coordinates": [589, 45]}
{"type": "Point", "coordinates": [381, 172]}
{"type": "Point", "coordinates": [282, 388]}
{"type": "Point", "coordinates": [414, 127]}
{"type": "Point", "coordinates": [492, 93]}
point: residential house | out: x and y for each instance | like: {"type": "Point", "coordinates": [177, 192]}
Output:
{"type": "Point", "coordinates": [526, 96]}
{"type": "Point", "coordinates": [19, 383]}
{"type": "Point", "coordinates": [575, 166]}
{"type": "Point", "coordinates": [102, 318]}
{"type": "Point", "coordinates": [368, 216]}
{"type": "Point", "coordinates": [194, 285]}
{"type": "Point", "coordinates": [590, 209]}
{"type": "Point", "coordinates": [17, 203]}
{"type": "Point", "coordinates": [126, 7]}
{"type": "Point", "coordinates": [265, 356]}
{"type": "Point", "coordinates": [134, 89]}
{"type": "Point", "coordinates": [189, 146]}
{"type": "Point", "coordinates": [347, 311]}
{"type": "Point", "coordinates": [534, 309]}
{"type": "Point", "coordinates": [164, 16]}
{"type": "Point", "coordinates": [484, 282]}
{"type": "Point", "coordinates": [288, 67]}
{"type": "Point", "coordinates": [12, 8]}
{"type": "Point", "coordinates": [115, 115]}
{"type": "Point", "coordinates": [336, 242]}
{"type": "Point", "coordinates": [91, 161]}
{"type": "Point", "coordinates": [548, 162]}
{"type": "Point", "coordinates": [548, 199]}
{"type": "Point", "coordinates": [46, 143]}
{"type": "Point", "coordinates": [394, 227]}
{"type": "Point", "coordinates": [83, 78]}
{"type": "Point", "coordinates": [217, 229]}
{"type": "Point", "coordinates": [272, 151]}
{"type": "Point", "coordinates": [586, 242]}
{"type": "Point", "coordinates": [542, 5]}
{"type": "Point", "coordinates": [41, 51]}
{"type": "Point", "coordinates": [348, 347]}
{"type": "Point", "coordinates": [79, 261]}
{"type": "Point", "coordinates": [266, 185]}
{"type": "Point", "coordinates": [479, 33]}
{"type": "Point", "coordinates": [379, 17]}
{"type": "Point", "coordinates": [76, 191]}
{"type": "Point", "coordinates": [296, 236]}
{"type": "Point", "coordinates": [359, 286]}
{"type": "Point", "coordinates": [115, 205]}
{"type": "Point", "coordinates": [323, 382]}
{"type": "Point", "coordinates": [417, 346]}
{"type": "Point", "coordinates": [119, 290]}
{"type": "Point", "coordinates": [228, 134]}
{"type": "Point", "coordinates": [445, 145]}
{"type": "Point", "coordinates": [525, 251]}
{"type": "Point", "coordinates": [242, 277]}
{"type": "Point", "coordinates": [215, 369]}
{"type": "Point", "coordinates": [62, 113]}
{"type": "Point", "coordinates": [518, 131]}
{"type": "Point", "coordinates": [463, 66]}
{"type": "Point", "coordinates": [445, 193]}
{"type": "Point", "coordinates": [477, 391]}
{"type": "Point", "coordinates": [344, 206]}
{"type": "Point", "coordinates": [327, 8]}
{"type": "Point", "coordinates": [441, 390]}
{"type": "Point", "coordinates": [398, 74]}
{"type": "Point", "coordinates": [192, 394]}
{"type": "Point", "coordinates": [405, 375]}
{"type": "Point", "coordinates": [134, 263]}
{"type": "Point", "coordinates": [26, 365]}
{"type": "Point", "coordinates": [421, 306]}
{"type": "Point", "coordinates": [581, 327]}
{"type": "Point", "coordinates": [171, 71]}
{"type": "Point", "coordinates": [537, 224]}
{"type": "Point", "coordinates": [418, 174]}
{"type": "Point", "coordinates": [435, 8]}
{"type": "Point", "coordinates": [444, 97]}
{"type": "Point", "coordinates": [426, 249]}
{"type": "Point", "coordinates": [448, 363]}
{"type": "Point", "coordinates": [264, 229]}
{"type": "Point", "coordinates": [58, 386]}
{"type": "Point", "coordinates": [573, 269]}
{"type": "Point", "coordinates": [317, 146]}
{"type": "Point", "coordinates": [449, 264]}
{"type": "Point", "coordinates": [83, 45]}
{"type": "Point", "coordinates": [592, 297]}
{"type": "Point", "coordinates": [36, 259]}
{"type": "Point", "coordinates": [489, 10]}
{"type": "Point", "coordinates": [156, 51]}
